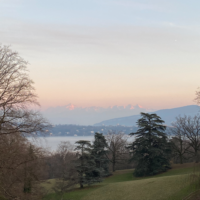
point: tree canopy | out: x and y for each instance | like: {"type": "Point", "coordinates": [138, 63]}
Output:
{"type": "Point", "coordinates": [151, 149]}
{"type": "Point", "coordinates": [99, 153]}
{"type": "Point", "coordinates": [17, 94]}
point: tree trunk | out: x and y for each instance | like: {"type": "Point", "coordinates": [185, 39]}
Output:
{"type": "Point", "coordinates": [81, 182]}
{"type": "Point", "coordinates": [181, 159]}
{"type": "Point", "coordinates": [196, 157]}
{"type": "Point", "coordinates": [113, 166]}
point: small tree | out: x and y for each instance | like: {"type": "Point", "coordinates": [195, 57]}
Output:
{"type": "Point", "coordinates": [179, 143]}
{"type": "Point", "coordinates": [66, 175]}
{"type": "Point", "coordinates": [151, 150]}
{"type": "Point", "coordinates": [116, 146]}
{"type": "Point", "coordinates": [189, 127]}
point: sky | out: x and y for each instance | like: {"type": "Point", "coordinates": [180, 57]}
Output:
{"type": "Point", "coordinates": [107, 52]}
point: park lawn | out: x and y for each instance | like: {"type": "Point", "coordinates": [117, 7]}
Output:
{"type": "Point", "coordinates": [48, 185]}
{"type": "Point", "coordinates": [120, 176]}
{"type": "Point", "coordinates": [127, 175]}
{"type": "Point", "coordinates": [160, 188]}
{"type": "Point", "coordinates": [172, 185]}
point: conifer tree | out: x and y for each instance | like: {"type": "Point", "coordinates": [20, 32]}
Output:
{"type": "Point", "coordinates": [151, 149]}
{"type": "Point", "coordinates": [86, 163]}
{"type": "Point", "coordinates": [99, 153]}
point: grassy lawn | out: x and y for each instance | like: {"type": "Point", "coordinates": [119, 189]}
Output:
{"type": "Point", "coordinates": [145, 189]}
{"type": "Point", "coordinates": [173, 185]}
{"type": "Point", "coordinates": [48, 185]}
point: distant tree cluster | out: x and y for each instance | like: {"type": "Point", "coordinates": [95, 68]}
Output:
{"type": "Point", "coordinates": [79, 130]}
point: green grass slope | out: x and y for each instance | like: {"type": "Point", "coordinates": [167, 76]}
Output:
{"type": "Point", "coordinates": [147, 189]}
{"type": "Point", "coordinates": [171, 185]}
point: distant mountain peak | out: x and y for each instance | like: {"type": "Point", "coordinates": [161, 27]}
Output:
{"type": "Point", "coordinates": [71, 113]}
{"type": "Point", "coordinates": [131, 107]}
{"type": "Point", "coordinates": [138, 106]}
{"type": "Point", "coordinates": [70, 106]}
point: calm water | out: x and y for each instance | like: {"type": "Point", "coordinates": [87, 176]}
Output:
{"type": "Point", "coordinates": [51, 143]}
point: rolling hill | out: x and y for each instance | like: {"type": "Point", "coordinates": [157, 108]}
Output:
{"type": "Point", "coordinates": [168, 115]}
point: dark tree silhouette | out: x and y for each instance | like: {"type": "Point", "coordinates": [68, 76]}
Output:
{"type": "Point", "coordinates": [86, 163]}
{"type": "Point", "coordinates": [151, 149]}
{"type": "Point", "coordinates": [99, 153]}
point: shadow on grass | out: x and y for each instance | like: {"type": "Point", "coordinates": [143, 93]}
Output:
{"type": "Point", "coordinates": [75, 194]}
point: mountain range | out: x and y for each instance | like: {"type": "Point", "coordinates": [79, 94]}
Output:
{"type": "Point", "coordinates": [168, 115]}
{"type": "Point", "coordinates": [111, 116]}
{"type": "Point", "coordinates": [71, 114]}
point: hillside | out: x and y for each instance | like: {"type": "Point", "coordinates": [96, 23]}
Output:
{"type": "Point", "coordinates": [168, 115]}
{"type": "Point", "coordinates": [171, 185]}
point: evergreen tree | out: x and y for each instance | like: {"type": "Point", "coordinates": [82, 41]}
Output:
{"type": "Point", "coordinates": [99, 153]}
{"type": "Point", "coordinates": [151, 149]}
{"type": "Point", "coordinates": [86, 163]}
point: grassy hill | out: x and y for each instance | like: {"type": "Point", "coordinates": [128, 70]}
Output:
{"type": "Point", "coordinates": [174, 184]}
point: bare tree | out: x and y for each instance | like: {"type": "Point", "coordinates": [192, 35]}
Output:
{"type": "Point", "coordinates": [17, 93]}
{"type": "Point", "coordinates": [21, 168]}
{"type": "Point", "coordinates": [116, 145]}
{"type": "Point", "coordinates": [179, 143]}
{"type": "Point", "coordinates": [19, 161]}
{"type": "Point", "coordinates": [197, 98]}
{"type": "Point", "coordinates": [67, 175]}
{"type": "Point", "coordinates": [189, 127]}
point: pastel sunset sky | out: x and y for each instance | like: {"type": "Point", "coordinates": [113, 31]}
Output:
{"type": "Point", "coordinates": [107, 52]}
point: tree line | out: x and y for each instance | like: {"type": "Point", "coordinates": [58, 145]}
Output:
{"type": "Point", "coordinates": [79, 130]}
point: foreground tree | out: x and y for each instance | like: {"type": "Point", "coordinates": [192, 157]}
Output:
{"type": "Point", "coordinates": [151, 149]}
{"type": "Point", "coordinates": [17, 94]}
{"type": "Point", "coordinates": [19, 160]}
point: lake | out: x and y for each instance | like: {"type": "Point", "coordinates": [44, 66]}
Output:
{"type": "Point", "coordinates": [51, 143]}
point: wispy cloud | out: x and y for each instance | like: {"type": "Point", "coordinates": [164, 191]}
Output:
{"type": "Point", "coordinates": [116, 39]}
